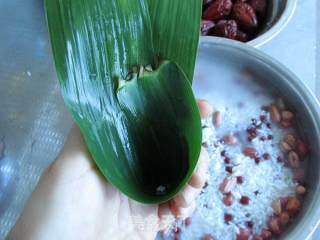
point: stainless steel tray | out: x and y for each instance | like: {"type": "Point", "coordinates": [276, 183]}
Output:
{"type": "Point", "coordinates": [33, 119]}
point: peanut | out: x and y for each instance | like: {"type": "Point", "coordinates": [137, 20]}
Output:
{"type": "Point", "coordinates": [230, 139]}
{"type": "Point", "coordinates": [291, 140]}
{"type": "Point", "coordinates": [275, 114]}
{"type": "Point", "coordinates": [300, 190]}
{"type": "Point", "coordinates": [276, 205]}
{"type": "Point", "coordinates": [285, 147]}
{"type": "Point", "coordinates": [294, 159]}
{"type": "Point", "coordinates": [293, 206]}
{"type": "Point", "coordinates": [227, 185]}
{"type": "Point", "coordinates": [284, 218]}
{"type": "Point", "coordinates": [217, 119]}
{"type": "Point", "coordinates": [287, 115]}
{"type": "Point", "coordinates": [250, 152]}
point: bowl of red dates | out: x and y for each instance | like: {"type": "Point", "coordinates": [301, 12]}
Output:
{"type": "Point", "coordinates": [252, 21]}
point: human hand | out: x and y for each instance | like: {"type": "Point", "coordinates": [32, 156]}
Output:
{"type": "Point", "coordinates": [74, 201]}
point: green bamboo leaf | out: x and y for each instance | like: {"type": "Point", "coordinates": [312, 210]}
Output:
{"type": "Point", "coordinates": [176, 29]}
{"type": "Point", "coordinates": [164, 146]}
{"type": "Point", "coordinates": [142, 127]}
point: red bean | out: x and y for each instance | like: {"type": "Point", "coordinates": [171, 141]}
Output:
{"type": "Point", "coordinates": [239, 179]}
{"type": "Point", "coordinates": [228, 199]}
{"type": "Point", "coordinates": [266, 234]}
{"type": "Point", "coordinates": [188, 221]}
{"type": "Point", "coordinates": [244, 234]}
{"type": "Point", "coordinates": [207, 237]}
{"type": "Point", "coordinates": [302, 148]}
{"type": "Point", "coordinates": [228, 217]}
{"type": "Point", "coordinates": [244, 200]}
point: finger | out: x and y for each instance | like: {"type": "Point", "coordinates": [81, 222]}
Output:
{"type": "Point", "coordinates": [199, 176]}
{"type": "Point", "coordinates": [180, 212]}
{"type": "Point", "coordinates": [205, 108]}
{"type": "Point", "coordinates": [184, 198]}
{"type": "Point", "coordinates": [187, 212]}
{"type": "Point", "coordinates": [166, 217]}
{"type": "Point", "coordinates": [190, 192]}
{"type": "Point", "coordinates": [174, 208]}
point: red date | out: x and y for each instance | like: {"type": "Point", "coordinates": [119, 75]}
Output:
{"type": "Point", "coordinates": [259, 6]}
{"type": "Point", "coordinates": [226, 28]}
{"type": "Point", "coordinates": [245, 15]}
{"type": "Point", "coordinates": [218, 10]}
{"type": "Point", "coordinates": [206, 26]}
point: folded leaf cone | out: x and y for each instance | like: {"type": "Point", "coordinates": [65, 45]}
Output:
{"type": "Point", "coordinates": [137, 113]}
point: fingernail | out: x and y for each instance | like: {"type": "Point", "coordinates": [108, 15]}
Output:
{"type": "Point", "coordinates": [196, 180]}
{"type": "Point", "coordinates": [187, 212]}
{"type": "Point", "coordinates": [205, 108]}
{"type": "Point", "coordinates": [186, 196]}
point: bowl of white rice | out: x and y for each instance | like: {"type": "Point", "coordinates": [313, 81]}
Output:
{"type": "Point", "coordinates": [263, 139]}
